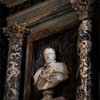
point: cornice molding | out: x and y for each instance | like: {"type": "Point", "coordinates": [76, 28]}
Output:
{"type": "Point", "coordinates": [50, 16]}
{"type": "Point", "coordinates": [11, 3]}
{"type": "Point", "coordinates": [39, 11]}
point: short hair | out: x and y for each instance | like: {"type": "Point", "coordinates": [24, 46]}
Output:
{"type": "Point", "coordinates": [49, 49]}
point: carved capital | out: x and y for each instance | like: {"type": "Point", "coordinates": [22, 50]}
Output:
{"type": "Point", "coordinates": [16, 32]}
{"type": "Point", "coordinates": [81, 7]}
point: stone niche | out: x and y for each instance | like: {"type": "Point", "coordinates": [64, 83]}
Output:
{"type": "Point", "coordinates": [65, 45]}
{"type": "Point", "coordinates": [59, 30]}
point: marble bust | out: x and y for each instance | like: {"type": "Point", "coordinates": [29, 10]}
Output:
{"type": "Point", "coordinates": [50, 75]}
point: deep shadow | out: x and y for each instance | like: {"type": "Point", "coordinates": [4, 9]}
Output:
{"type": "Point", "coordinates": [3, 48]}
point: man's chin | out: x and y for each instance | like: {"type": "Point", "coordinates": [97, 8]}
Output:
{"type": "Point", "coordinates": [49, 62]}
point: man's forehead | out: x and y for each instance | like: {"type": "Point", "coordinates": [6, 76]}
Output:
{"type": "Point", "coordinates": [49, 50]}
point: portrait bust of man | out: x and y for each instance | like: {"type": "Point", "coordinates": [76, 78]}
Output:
{"type": "Point", "coordinates": [52, 73]}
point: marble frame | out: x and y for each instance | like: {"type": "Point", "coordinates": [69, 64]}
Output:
{"type": "Point", "coordinates": [36, 36]}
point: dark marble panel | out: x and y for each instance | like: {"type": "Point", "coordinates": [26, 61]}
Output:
{"type": "Point", "coordinates": [3, 61]}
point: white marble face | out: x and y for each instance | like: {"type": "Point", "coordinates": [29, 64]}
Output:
{"type": "Point", "coordinates": [49, 55]}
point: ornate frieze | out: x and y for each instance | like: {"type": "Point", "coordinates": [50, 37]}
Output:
{"type": "Point", "coordinates": [15, 35]}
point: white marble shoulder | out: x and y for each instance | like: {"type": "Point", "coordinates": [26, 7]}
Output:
{"type": "Point", "coordinates": [61, 67]}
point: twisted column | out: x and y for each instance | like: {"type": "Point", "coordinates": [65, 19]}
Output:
{"type": "Point", "coordinates": [82, 7]}
{"type": "Point", "coordinates": [15, 35]}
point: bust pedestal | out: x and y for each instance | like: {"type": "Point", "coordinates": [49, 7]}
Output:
{"type": "Point", "coordinates": [47, 95]}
